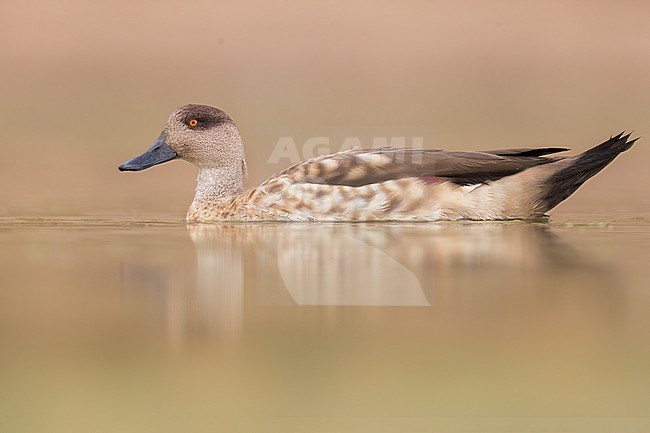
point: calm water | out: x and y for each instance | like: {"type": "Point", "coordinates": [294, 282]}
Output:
{"type": "Point", "coordinates": [117, 325]}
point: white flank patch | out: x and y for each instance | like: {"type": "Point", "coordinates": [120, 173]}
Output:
{"type": "Point", "coordinates": [470, 188]}
{"type": "Point", "coordinates": [374, 158]}
{"type": "Point", "coordinates": [330, 163]}
{"type": "Point", "coordinates": [379, 201]}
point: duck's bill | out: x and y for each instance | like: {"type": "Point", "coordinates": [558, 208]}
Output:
{"type": "Point", "coordinates": [157, 154]}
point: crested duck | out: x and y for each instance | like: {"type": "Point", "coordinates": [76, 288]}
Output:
{"type": "Point", "coordinates": [385, 184]}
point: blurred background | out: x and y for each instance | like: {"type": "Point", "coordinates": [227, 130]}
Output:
{"type": "Point", "coordinates": [117, 317]}
{"type": "Point", "coordinates": [87, 85]}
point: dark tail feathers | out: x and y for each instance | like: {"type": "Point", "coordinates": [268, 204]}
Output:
{"type": "Point", "coordinates": [567, 180]}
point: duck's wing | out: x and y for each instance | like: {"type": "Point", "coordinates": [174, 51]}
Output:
{"type": "Point", "coordinates": [362, 167]}
{"type": "Point", "coordinates": [527, 151]}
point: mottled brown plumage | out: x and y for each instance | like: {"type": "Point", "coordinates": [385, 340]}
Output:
{"type": "Point", "coordinates": [386, 184]}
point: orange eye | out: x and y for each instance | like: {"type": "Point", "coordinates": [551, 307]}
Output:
{"type": "Point", "coordinates": [193, 122]}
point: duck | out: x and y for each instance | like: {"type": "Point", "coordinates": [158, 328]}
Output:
{"type": "Point", "coordinates": [380, 184]}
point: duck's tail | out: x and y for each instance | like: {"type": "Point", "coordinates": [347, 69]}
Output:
{"type": "Point", "coordinates": [574, 171]}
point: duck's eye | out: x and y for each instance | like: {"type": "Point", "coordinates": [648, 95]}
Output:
{"type": "Point", "coordinates": [193, 122]}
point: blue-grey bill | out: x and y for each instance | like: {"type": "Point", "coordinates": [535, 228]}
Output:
{"type": "Point", "coordinates": [157, 154]}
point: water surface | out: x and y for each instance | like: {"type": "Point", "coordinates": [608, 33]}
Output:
{"type": "Point", "coordinates": [152, 325]}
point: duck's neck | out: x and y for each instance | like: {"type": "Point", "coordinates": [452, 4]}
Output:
{"type": "Point", "coordinates": [216, 184]}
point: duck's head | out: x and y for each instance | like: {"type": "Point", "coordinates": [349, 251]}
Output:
{"type": "Point", "coordinates": [202, 135]}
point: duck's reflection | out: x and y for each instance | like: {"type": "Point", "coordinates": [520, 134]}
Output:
{"type": "Point", "coordinates": [451, 266]}
{"type": "Point", "coordinates": [220, 283]}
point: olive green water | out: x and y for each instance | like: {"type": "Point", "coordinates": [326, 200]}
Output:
{"type": "Point", "coordinates": [123, 325]}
